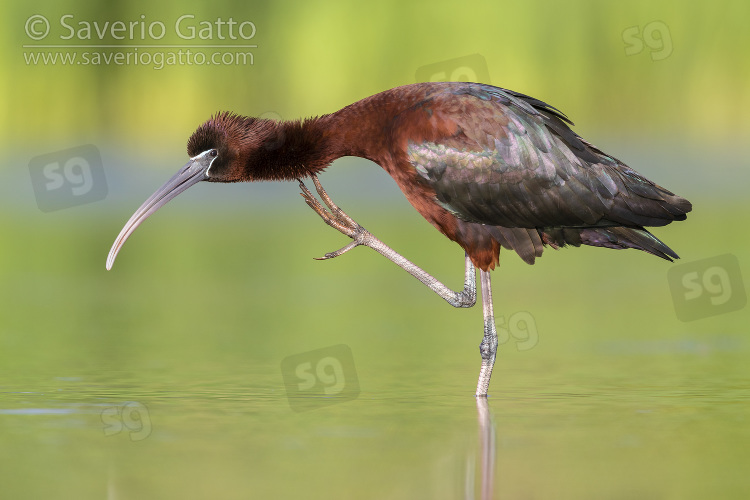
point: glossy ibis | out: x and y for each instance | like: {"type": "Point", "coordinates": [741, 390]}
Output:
{"type": "Point", "coordinates": [488, 167]}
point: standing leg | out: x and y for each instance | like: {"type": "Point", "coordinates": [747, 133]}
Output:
{"type": "Point", "coordinates": [488, 347]}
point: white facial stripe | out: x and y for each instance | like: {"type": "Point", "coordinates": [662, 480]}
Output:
{"type": "Point", "coordinates": [200, 157]}
{"type": "Point", "coordinates": [209, 165]}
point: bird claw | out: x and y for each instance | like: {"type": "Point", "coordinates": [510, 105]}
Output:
{"type": "Point", "coordinates": [340, 251]}
{"type": "Point", "coordinates": [334, 217]}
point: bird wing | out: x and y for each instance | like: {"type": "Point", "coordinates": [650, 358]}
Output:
{"type": "Point", "coordinates": [512, 161]}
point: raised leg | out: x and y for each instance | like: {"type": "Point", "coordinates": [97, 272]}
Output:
{"type": "Point", "coordinates": [336, 218]}
{"type": "Point", "coordinates": [488, 347]}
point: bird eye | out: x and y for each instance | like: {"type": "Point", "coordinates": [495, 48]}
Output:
{"type": "Point", "coordinates": [213, 153]}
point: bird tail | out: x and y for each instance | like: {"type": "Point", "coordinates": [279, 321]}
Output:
{"type": "Point", "coordinates": [609, 237]}
{"type": "Point", "coordinates": [627, 237]}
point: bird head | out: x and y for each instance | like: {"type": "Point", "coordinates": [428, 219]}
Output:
{"type": "Point", "coordinates": [219, 151]}
{"type": "Point", "coordinates": [233, 148]}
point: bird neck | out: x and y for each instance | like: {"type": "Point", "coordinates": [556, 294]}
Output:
{"type": "Point", "coordinates": [297, 149]}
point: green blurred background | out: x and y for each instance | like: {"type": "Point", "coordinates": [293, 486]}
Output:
{"type": "Point", "coordinates": [617, 399]}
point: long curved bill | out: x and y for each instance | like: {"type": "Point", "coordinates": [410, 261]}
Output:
{"type": "Point", "coordinates": [194, 171]}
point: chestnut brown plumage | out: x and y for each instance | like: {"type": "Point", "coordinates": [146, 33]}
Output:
{"type": "Point", "coordinates": [488, 167]}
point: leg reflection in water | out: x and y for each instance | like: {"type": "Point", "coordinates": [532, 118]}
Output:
{"type": "Point", "coordinates": [487, 450]}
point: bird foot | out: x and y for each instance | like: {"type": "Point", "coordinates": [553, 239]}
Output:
{"type": "Point", "coordinates": [334, 217]}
